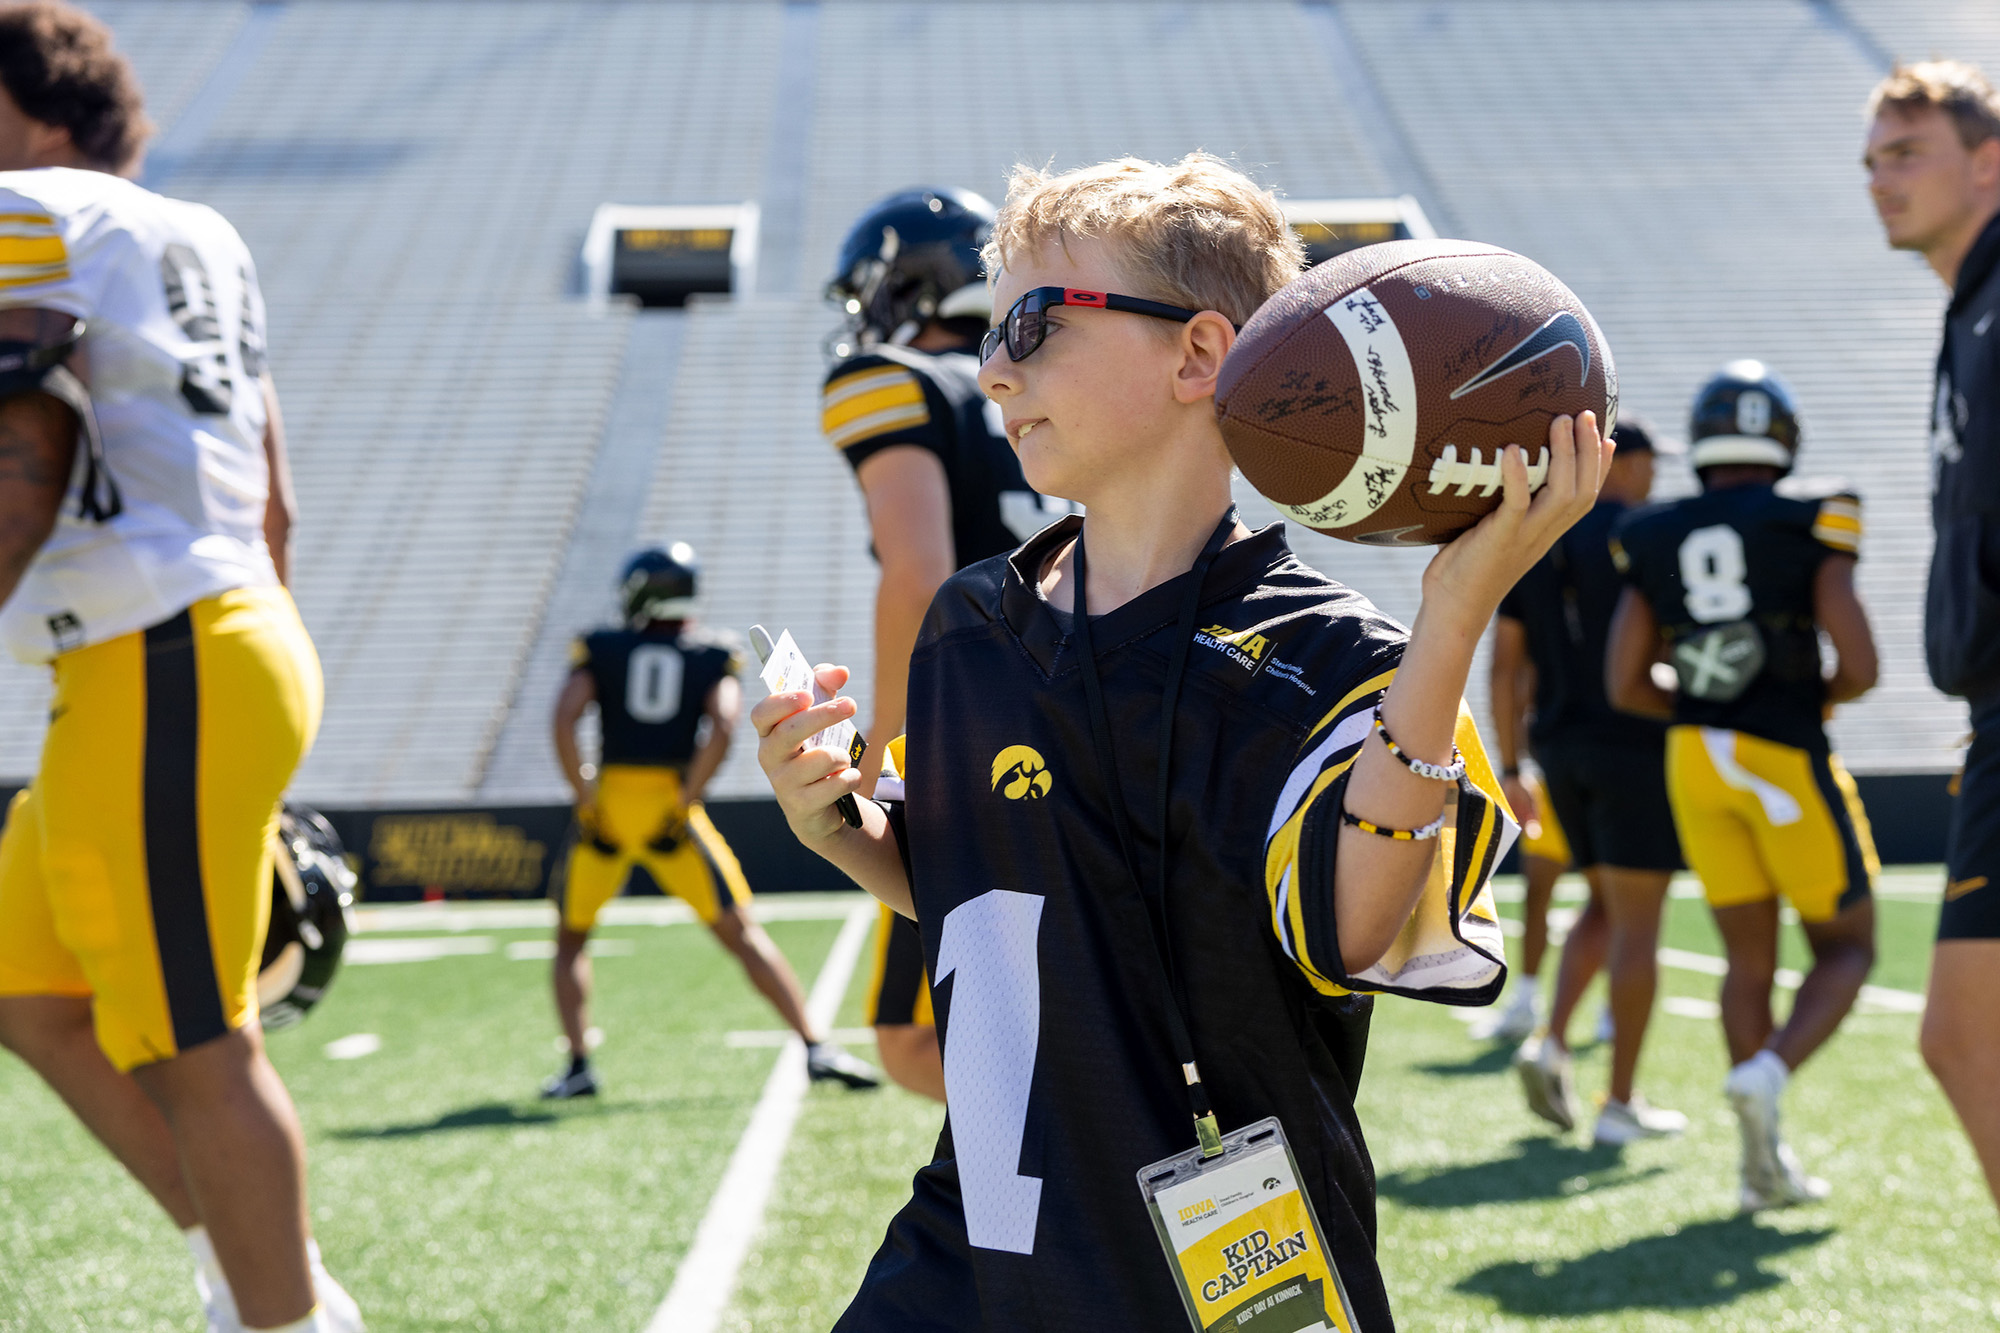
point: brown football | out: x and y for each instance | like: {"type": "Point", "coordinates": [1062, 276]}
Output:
{"type": "Point", "coordinates": [1371, 397]}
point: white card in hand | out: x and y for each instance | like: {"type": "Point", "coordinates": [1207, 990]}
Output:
{"type": "Point", "coordinates": [788, 670]}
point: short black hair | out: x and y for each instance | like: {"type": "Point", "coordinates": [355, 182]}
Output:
{"type": "Point", "coordinates": [1632, 437]}
{"type": "Point", "coordinates": [60, 67]}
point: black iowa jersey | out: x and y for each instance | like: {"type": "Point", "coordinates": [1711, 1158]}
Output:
{"type": "Point", "coordinates": [652, 686]}
{"type": "Point", "coordinates": [1058, 1065]}
{"type": "Point", "coordinates": [891, 395]}
{"type": "Point", "coordinates": [1729, 574]}
{"type": "Point", "coordinates": [1564, 604]}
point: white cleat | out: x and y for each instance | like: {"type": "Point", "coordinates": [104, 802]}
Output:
{"type": "Point", "coordinates": [1544, 1067]}
{"type": "Point", "coordinates": [1753, 1089]}
{"type": "Point", "coordinates": [1629, 1122]}
{"type": "Point", "coordinates": [1790, 1186]}
{"type": "Point", "coordinates": [218, 1303]}
{"type": "Point", "coordinates": [338, 1312]}
{"type": "Point", "coordinates": [1516, 1022]}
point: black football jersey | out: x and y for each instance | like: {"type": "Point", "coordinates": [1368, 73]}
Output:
{"type": "Point", "coordinates": [892, 395]}
{"type": "Point", "coordinates": [1729, 574]}
{"type": "Point", "coordinates": [652, 686]}
{"type": "Point", "coordinates": [1058, 1063]}
{"type": "Point", "coordinates": [1565, 604]}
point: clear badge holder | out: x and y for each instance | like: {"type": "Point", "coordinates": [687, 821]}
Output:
{"type": "Point", "coordinates": [1240, 1236]}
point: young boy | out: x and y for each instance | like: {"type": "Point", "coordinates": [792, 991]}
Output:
{"type": "Point", "coordinates": [1039, 886]}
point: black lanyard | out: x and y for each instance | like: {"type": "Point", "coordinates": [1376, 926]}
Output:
{"type": "Point", "coordinates": [1155, 904]}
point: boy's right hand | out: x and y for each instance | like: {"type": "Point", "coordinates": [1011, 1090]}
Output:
{"type": "Point", "coordinates": [806, 782]}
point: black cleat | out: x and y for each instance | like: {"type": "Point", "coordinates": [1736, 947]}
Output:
{"type": "Point", "coordinates": [578, 1081]}
{"type": "Point", "coordinates": [829, 1061]}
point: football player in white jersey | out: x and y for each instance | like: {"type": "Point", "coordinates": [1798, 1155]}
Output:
{"type": "Point", "coordinates": [144, 508]}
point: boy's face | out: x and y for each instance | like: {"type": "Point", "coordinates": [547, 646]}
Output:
{"type": "Point", "coordinates": [1096, 400]}
{"type": "Point", "coordinates": [1925, 183]}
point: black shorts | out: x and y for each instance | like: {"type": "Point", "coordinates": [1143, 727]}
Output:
{"type": "Point", "coordinates": [1972, 860]}
{"type": "Point", "coordinates": [1611, 801]}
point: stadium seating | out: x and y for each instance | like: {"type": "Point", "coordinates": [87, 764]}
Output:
{"type": "Point", "coordinates": [415, 180]}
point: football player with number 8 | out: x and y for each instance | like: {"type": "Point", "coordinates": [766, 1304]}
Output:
{"type": "Point", "coordinates": [1735, 585]}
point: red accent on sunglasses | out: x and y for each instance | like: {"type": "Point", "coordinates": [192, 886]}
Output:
{"type": "Point", "coordinates": [1077, 296]}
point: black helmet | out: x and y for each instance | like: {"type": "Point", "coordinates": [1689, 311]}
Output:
{"type": "Point", "coordinates": [1744, 414]}
{"type": "Point", "coordinates": [912, 257]}
{"type": "Point", "coordinates": [659, 585]}
{"type": "Point", "coordinates": [311, 890]}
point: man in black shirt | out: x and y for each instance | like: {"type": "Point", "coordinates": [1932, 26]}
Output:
{"type": "Point", "coordinates": [667, 702]}
{"type": "Point", "coordinates": [942, 487]}
{"type": "Point", "coordinates": [1161, 854]}
{"type": "Point", "coordinates": [1933, 160]}
{"type": "Point", "coordinates": [1605, 773]}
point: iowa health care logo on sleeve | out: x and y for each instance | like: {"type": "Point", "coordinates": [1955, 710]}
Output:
{"type": "Point", "coordinates": [1249, 1254]}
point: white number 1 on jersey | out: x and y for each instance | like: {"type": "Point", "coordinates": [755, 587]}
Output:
{"type": "Point", "coordinates": [994, 1027]}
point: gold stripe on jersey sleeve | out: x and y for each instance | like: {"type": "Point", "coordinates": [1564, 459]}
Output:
{"type": "Point", "coordinates": [11, 277]}
{"type": "Point", "coordinates": [1360, 691]}
{"type": "Point", "coordinates": [18, 250]}
{"type": "Point", "coordinates": [1838, 525]}
{"type": "Point", "coordinates": [31, 251]}
{"type": "Point", "coordinates": [865, 404]}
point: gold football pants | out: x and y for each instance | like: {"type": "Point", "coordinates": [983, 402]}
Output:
{"type": "Point", "coordinates": [635, 806]}
{"type": "Point", "coordinates": [136, 870]}
{"type": "Point", "coordinates": [1758, 820]}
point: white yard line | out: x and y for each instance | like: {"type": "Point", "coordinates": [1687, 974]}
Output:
{"type": "Point", "coordinates": [378, 918]}
{"type": "Point", "coordinates": [707, 1276]}
{"type": "Point", "coordinates": [1882, 997]}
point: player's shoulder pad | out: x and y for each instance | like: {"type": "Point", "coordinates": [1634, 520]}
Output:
{"type": "Point", "coordinates": [873, 393]}
{"type": "Point", "coordinates": [1828, 508]}
{"type": "Point", "coordinates": [716, 642]}
{"type": "Point", "coordinates": [597, 645]}
{"type": "Point", "coordinates": [1634, 534]}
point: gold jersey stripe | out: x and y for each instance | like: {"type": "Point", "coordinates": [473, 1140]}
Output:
{"type": "Point", "coordinates": [1838, 526]}
{"type": "Point", "coordinates": [879, 423]}
{"type": "Point", "coordinates": [27, 219]}
{"type": "Point", "coordinates": [865, 381]}
{"type": "Point", "coordinates": [18, 250]}
{"type": "Point", "coordinates": [33, 277]}
{"type": "Point", "coordinates": [835, 413]}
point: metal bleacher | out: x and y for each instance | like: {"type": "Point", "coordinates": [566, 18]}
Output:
{"type": "Point", "coordinates": [415, 180]}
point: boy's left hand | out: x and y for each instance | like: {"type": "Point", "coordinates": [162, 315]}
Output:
{"type": "Point", "coordinates": [1468, 577]}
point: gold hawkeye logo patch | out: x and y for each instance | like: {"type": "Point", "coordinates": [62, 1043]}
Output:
{"type": "Point", "coordinates": [1022, 769]}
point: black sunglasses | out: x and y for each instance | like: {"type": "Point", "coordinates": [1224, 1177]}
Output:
{"type": "Point", "coordinates": [1027, 322]}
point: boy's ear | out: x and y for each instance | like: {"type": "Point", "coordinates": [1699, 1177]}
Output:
{"type": "Point", "coordinates": [1205, 343]}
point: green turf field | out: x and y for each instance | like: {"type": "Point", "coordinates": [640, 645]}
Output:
{"type": "Point", "coordinates": [448, 1197]}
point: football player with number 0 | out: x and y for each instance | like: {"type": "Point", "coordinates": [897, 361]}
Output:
{"type": "Point", "coordinates": [145, 514]}
{"type": "Point", "coordinates": [1737, 583]}
{"type": "Point", "coordinates": [667, 702]}
{"type": "Point", "coordinates": [1174, 805]}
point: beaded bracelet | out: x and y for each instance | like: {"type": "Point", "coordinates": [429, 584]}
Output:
{"type": "Point", "coordinates": [1429, 830]}
{"type": "Point", "coordinates": [1450, 772]}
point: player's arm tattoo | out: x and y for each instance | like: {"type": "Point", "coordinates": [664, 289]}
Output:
{"type": "Point", "coordinates": [37, 449]}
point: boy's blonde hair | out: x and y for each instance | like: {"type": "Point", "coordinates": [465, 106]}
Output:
{"type": "Point", "coordinates": [1952, 86]}
{"type": "Point", "coordinates": [1195, 233]}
